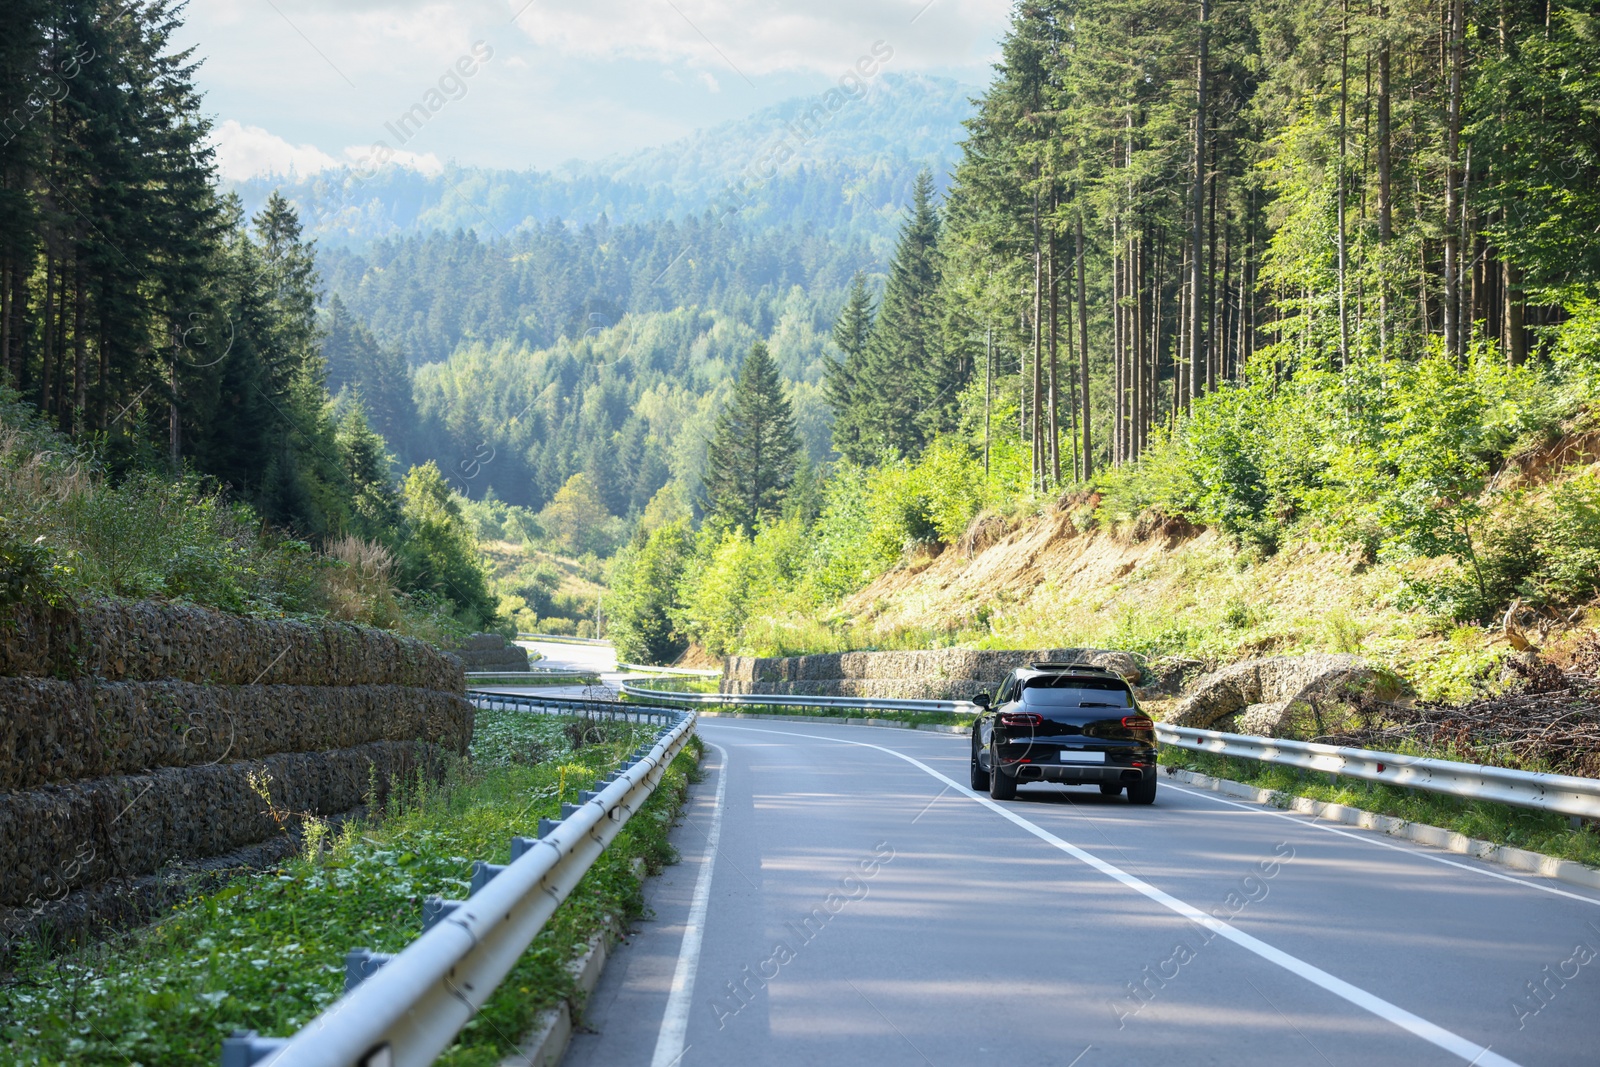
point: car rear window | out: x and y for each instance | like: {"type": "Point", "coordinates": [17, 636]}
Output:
{"type": "Point", "coordinates": [1059, 692]}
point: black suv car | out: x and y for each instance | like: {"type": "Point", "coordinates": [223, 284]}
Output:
{"type": "Point", "coordinates": [1068, 723]}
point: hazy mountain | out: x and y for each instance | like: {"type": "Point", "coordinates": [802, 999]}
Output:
{"type": "Point", "coordinates": [795, 163]}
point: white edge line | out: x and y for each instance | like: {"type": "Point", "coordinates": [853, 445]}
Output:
{"type": "Point", "coordinates": [1368, 837]}
{"type": "Point", "coordinates": [1473, 1053]}
{"type": "Point", "coordinates": [675, 1020]}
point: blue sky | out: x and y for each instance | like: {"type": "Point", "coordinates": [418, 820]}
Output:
{"type": "Point", "coordinates": [512, 83]}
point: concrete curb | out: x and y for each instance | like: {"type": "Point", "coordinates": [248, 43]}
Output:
{"type": "Point", "coordinates": [827, 720]}
{"type": "Point", "coordinates": [553, 1029]}
{"type": "Point", "coordinates": [1520, 859]}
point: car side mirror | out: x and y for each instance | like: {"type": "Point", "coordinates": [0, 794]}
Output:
{"type": "Point", "coordinates": [982, 700]}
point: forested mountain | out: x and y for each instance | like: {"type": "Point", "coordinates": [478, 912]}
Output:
{"type": "Point", "coordinates": [429, 294]}
{"type": "Point", "coordinates": [847, 174]}
{"type": "Point", "coordinates": [1286, 269]}
{"type": "Point", "coordinates": [1292, 270]}
{"type": "Point", "coordinates": [603, 351]}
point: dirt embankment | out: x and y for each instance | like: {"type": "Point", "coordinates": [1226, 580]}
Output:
{"type": "Point", "coordinates": [1010, 576]}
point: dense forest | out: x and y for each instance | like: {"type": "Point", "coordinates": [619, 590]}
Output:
{"type": "Point", "coordinates": [598, 350]}
{"type": "Point", "coordinates": [1286, 270]}
{"type": "Point", "coordinates": [1289, 270]}
{"type": "Point", "coordinates": [1153, 196]}
{"type": "Point", "coordinates": [167, 425]}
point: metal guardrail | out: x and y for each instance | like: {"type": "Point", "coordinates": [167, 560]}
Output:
{"type": "Point", "coordinates": [691, 672]}
{"type": "Point", "coordinates": [1560, 793]}
{"type": "Point", "coordinates": [594, 709]}
{"type": "Point", "coordinates": [789, 700]}
{"type": "Point", "coordinates": [563, 639]}
{"type": "Point", "coordinates": [405, 1010]}
{"type": "Point", "coordinates": [1557, 793]}
{"type": "Point", "coordinates": [545, 673]}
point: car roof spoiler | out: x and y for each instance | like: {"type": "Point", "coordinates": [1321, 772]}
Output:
{"type": "Point", "coordinates": [1089, 668]}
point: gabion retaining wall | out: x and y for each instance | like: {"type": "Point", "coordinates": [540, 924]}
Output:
{"type": "Point", "coordinates": [491, 652]}
{"type": "Point", "coordinates": [145, 642]}
{"type": "Point", "coordinates": [939, 674]}
{"type": "Point", "coordinates": [129, 732]}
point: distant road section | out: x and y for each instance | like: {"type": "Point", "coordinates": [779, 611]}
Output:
{"type": "Point", "coordinates": [562, 656]}
{"type": "Point", "coordinates": [559, 655]}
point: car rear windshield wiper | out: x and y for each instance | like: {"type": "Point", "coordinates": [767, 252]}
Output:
{"type": "Point", "coordinates": [1099, 704]}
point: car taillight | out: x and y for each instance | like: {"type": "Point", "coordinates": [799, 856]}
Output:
{"type": "Point", "coordinates": [1021, 718]}
{"type": "Point", "coordinates": [1137, 722]}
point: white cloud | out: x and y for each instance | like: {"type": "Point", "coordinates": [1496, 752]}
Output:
{"type": "Point", "coordinates": [568, 78]}
{"type": "Point", "coordinates": [248, 151]}
{"type": "Point", "coordinates": [754, 37]}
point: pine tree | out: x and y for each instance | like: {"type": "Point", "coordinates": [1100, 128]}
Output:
{"type": "Point", "coordinates": [753, 454]}
{"type": "Point", "coordinates": [852, 332]}
{"type": "Point", "coordinates": [375, 373]}
{"type": "Point", "coordinates": [903, 365]}
{"type": "Point", "coordinates": [375, 506]}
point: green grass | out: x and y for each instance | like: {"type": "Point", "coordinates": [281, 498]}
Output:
{"type": "Point", "coordinates": [267, 952]}
{"type": "Point", "coordinates": [1502, 824]}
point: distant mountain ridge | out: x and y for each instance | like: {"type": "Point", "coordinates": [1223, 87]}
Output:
{"type": "Point", "coordinates": [850, 173]}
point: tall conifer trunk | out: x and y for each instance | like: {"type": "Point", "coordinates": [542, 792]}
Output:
{"type": "Point", "coordinates": [1198, 207]}
{"type": "Point", "coordinates": [1083, 350]}
{"type": "Point", "coordinates": [1054, 427]}
{"type": "Point", "coordinates": [1038, 332]}
{"type": "Point", "coordinates": [1339, 190]}
{"type": "Point", "coordinates": [1451, 299]}
{"type": "Point", "coordinates": [1385, 184]}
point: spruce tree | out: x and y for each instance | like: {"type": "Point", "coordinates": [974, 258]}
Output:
{"type": "Point", "coordinates": [898, 377]}
{"type": "Point", "coordinates": [753, 454]}
{"type": "Point", "coordinates": [851, 333]}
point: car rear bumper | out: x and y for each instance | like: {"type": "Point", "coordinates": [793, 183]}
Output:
{"type": "Point", "coordinates": [1080, 773]}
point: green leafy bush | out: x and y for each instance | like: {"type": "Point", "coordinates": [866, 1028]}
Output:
{"type": "Point", "coordinates": [643, 605]}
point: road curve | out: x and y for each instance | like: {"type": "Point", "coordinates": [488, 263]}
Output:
{"type": "Point", "coordinates": [861, 909]}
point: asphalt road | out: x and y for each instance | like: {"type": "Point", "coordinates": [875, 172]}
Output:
{"type": "Point", "coordinates": [858, 908]}
{"type": "Point", "coordinates": [599, 658]}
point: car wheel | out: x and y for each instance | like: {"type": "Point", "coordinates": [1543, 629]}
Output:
{"type": "Point", "coordinates": [980, 777]}
{"type": "Point", "coordinates": [1142, 792]}
{"type": "Point", "coordinates": [1001, 785]}
{"type": "Point", "coordinates": [1110, 789]}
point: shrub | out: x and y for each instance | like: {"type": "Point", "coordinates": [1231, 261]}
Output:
{"type": "Point", "coordinates": [642, 605]}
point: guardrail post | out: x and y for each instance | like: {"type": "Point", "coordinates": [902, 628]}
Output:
{"type": "Point", "coordinates": [482, 873]}
{"type": "Point", "coordinates": [435, 909]}
{"type": "Point", "coordinates": [361, 964]}
{"type": "Point", "coordinates": [246, 1048]}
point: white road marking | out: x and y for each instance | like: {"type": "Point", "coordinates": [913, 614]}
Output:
{"type": "Point", "coordinates": [1455, 1044]}
{"type": "Point", "coordinates": [1371, 837]}
{"type": "Point", "coordinates": [675, 1020]}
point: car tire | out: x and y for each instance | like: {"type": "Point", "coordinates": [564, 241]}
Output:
{"type": "Point", "coordinates": [1142, 792]}
{"type": "Point", "coordinates": [980, 777]}
{"type": "Point", "coordinates": [1001, 785]}
{"type": "Point", "coordinates": [1110, 789]}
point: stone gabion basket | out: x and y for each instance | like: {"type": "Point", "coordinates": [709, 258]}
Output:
{"type": "Point", "coordinates": [130, 733]}
{"type": "Point", "coordinates": [939, 674]}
